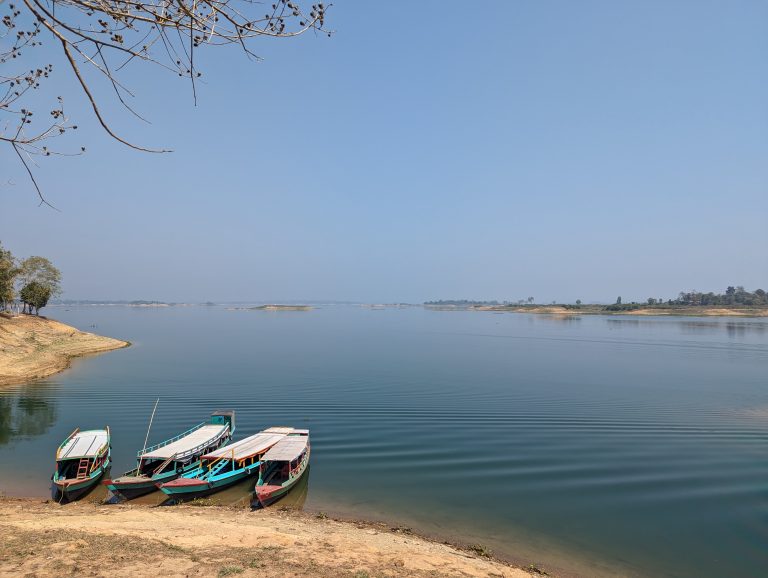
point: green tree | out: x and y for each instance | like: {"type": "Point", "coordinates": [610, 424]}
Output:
{"type": "Point", "coordinates": [618, 300]}
{"type": "Point", "coordinates": [35, 296]}
{"type": "Point", "coordinates": [578, 302]}
{"type": "Point", "coordinates": [40, 271]}
{"type": "Point", "coordinates": [8, 273]}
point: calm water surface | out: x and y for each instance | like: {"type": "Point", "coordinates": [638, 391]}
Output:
{"type": "Point", "coordinates": [601, 444]}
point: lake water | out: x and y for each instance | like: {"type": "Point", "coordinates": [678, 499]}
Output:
{"type": "Point", "coordinates": [604, 445]}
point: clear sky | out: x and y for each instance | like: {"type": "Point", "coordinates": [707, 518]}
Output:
{"type": "Point", "coordinates": [556, 149]}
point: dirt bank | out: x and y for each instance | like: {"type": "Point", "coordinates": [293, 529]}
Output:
{"type": "Point", "coordinates": [33, 347]}
{"type": "Point", "coordinates": [85, 539]}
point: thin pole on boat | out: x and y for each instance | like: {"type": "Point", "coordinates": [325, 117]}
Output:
{"type": "Point", "coordinates": [146, 439]}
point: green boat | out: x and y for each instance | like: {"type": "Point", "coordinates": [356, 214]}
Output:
{"type": "Point", "coordinates": [226, 466]}
{"type": "Point", "coordinates": [81, 460]}
{"type": "Point", "coordinates": [172, 458]}
{"type": "Point", "coordinates": [282, 467]}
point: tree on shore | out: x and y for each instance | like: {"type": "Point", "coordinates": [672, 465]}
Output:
{"type": "Point", "coordinates": [35, 296]}
{"type": "Point", "coordinates": [39, 281]}
{"type": "Point", "coordinates": [98, 39]}
{"type": "Point", "coordinates": [733, 296]}
{"type": "Point", "coordinates": [8, 274]}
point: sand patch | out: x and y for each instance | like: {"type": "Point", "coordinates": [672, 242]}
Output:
{"type": "Point", "coordinates": [32, 347]}
{"type": "Point", "coordinates": [46, 540]}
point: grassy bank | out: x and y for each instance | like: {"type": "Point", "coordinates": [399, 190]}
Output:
{"type": "Point", "coordinates": [45, 539]}
{"type": "Point", "coordinates": [34, 347]}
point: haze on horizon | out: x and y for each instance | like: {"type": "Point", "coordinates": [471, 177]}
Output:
{"type": "Point", "coordinates": [558, 150]}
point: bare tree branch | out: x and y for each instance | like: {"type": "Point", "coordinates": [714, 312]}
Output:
{"type": "Point", "coordinates": [104, 36]}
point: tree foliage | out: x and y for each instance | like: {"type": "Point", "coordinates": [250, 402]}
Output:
{"type": "Point", "coordinates": [40, 270]}
{"type": "Point", "coordinates": [733, 296]}
{"type": "Point", "coordinates": [35, 296]}
{"type": "Point", "coordinates": [36, 278]}
{"type": "Point", "coordinates": [8, 274]}
{"type": "Point", "coordinates": [103, 37]}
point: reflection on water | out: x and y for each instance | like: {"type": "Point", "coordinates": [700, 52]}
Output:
{"type": "Point", "coordinates": [26, 413]}
{"type": "Point", "coordinates": [697, 326]}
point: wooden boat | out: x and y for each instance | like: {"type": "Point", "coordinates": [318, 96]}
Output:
{"type": "Point", "coordinates": [226, 466]}
{"type": "Point", "coordinates": [282, 467]}
{"type": "Point", "coordinates": [172, 458]}
{"type": "Point", "coordinates": [81, 460]}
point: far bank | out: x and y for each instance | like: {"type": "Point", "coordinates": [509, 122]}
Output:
{"type": "Point", "coordinates": [690, 311]}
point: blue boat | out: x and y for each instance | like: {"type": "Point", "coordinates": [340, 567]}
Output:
{"type": "Point", "coordinates": [282, 467]}
{"type": "Point", "coordinates": [226, 466]}
{"type": "Point", "coordinates": [81, 460]}
{"type": "Point", "coordinates": [172, 458]}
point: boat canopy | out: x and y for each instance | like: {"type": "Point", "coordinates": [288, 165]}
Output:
{"type": "Point", "coordinates": [285, 430]}
{"type": "Point", "coordinates": [194, 441]}
{"type": "Point", "coordinates": [287, 449]}
{"type": "Point", "coordinates": [84, 444]}
{"type": "Point", "coordinates": [251, 446]}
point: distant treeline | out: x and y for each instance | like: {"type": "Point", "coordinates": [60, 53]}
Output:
{"type": "Point", "coordinates": [733, 297]}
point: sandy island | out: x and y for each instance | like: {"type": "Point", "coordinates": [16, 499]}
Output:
{"type": "Point", "coordinates": [32, 347]}
{"type": "Point", "coordinates": [87, 539]}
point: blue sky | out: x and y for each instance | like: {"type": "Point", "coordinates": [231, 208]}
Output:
{"type": "Point", "coordinates": [565, 150]}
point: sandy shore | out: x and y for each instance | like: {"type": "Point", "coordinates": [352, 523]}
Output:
{"type": "Point", "coordinates": [32, 347]}
{"type": "Point", "coordinates": [86, 539]}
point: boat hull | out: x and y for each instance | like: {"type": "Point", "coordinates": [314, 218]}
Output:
{"type": "Point", "coordinates": [131, 486]}
{"type": "Point", "coordinates": [269, 494]}
{"type": "Point", "coordinates": [186, 488]}
{"type": "Point", "coordinates": [70, 490]}
{"type": "Point", "coordinates": [130, 489]}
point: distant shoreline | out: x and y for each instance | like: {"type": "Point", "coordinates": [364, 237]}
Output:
{"type": "Point", "coordinates": [273, 308]}
{"type": "Point", "coordinates": [575, 310]}
{"type": "Point", "coordinates": [33, 347]}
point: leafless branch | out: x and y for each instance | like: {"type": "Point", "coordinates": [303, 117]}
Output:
{"type": "Point", "coordinates": [102, 37]}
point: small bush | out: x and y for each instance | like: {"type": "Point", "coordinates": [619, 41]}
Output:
{"type": "Point", "coordinates": [480, 550]}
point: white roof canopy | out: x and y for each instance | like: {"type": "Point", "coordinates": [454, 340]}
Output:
{"type": "Point", "coordinates": [84, 444]}
{"type": "Point", "coordinates": [247, 447]}
{"type": "Point", "coordinates": [287, 449]}
{"type": "Point", "coordinates": [202, 436]}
